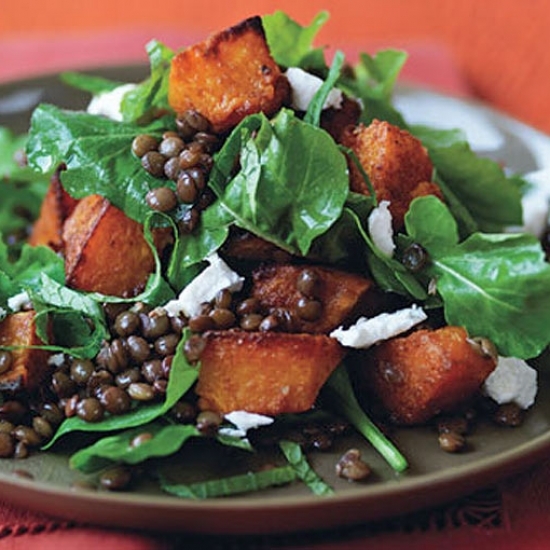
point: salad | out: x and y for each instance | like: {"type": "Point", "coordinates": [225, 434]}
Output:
{"type": "Point", "coordinates": [253, 248]}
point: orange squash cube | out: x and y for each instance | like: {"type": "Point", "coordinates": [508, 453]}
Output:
{"type": "Point", "coordinates": [396, 162]}
{"type": "Point", "coordinates": [228, 76]}
{"type": "Point", "coordinates": [29, 365]}
{"type": "Point", "coordinates": [105, 250]}
{"type": "Point", "coordinates": [342, 295]}
{"type": "Point", "coordinates": [264, 372]}
{"type": "Point", "coordinates": [426, 373]}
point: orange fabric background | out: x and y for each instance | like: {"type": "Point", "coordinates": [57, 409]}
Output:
{"type": "Point", "coordinates": [500, 45]}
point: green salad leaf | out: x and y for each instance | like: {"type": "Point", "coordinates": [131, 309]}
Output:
{"type": "Point", "coordinates": [291, 44]}
{"type": "Point", "coordinates": [296, 458]}
{"type": "Point", "coordinates": [495, 285]}
{"type": "Point", "coordinates": [491, 198]}
{"type": "Point", "coordinates": [90, 83]}
{"type": "Point", "coordinates": [97, 154]}
{"type": "Point", "coordinates": [232, 485]}
{"type": "Point", "coordinates": [291, 184]}
{"type": "Point", "coordinates": [150, 96]}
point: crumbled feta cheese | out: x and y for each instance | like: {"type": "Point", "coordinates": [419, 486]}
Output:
{"type": "Point", "coordinates": [56, 360]}
{"type": "Point", "coordinates": [204, 287]}
{"type": "Point", "coordinates": [367, 332]}
{"type": "Point", "coordinates": [108, 104]}
{"type": "Point", "coordinates": [380, 228]}
{"type": "Point", "coordinates": [18, 301]}
{"type": "Point", "coordinates": [513, 380]}
{"type": "Point", "coordinates": [305, 85]}
{"type": "Point", "coordinates": [244, 421]}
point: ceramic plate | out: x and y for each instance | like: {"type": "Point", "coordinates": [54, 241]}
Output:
{"type": "Point", "coordinates": [434, 476]}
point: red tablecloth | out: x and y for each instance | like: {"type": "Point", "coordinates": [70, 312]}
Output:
{"type": "Point", "coordinates": [513, 514]}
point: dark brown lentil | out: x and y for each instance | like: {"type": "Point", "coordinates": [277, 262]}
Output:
{"type": "Point", "coordinates": [452, 442]}
{"type": "Point", "coordinates": [352, 467]}
{"type": "Point", "coordinates": [162, 199]}
{"type": "Point", "coordinates": [153, 162]}
{"type": "Point", "coordinates": [115, 478]}
{"type": "Point", "coordinates": [144, 144]}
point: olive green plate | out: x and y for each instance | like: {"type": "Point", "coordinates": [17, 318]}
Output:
{"type": "Point", "coordinates": [434, 477]}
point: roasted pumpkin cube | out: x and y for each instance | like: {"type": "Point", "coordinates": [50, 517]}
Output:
{"type": "Point", "coordinates": [396, 162]}
{"type": "Point", "coordinates": [228, 76]}
{"type": "Point", "coordinates": [105, 250]}
{"type": "Point", "coordinates": [56, 207]}
{"type": "Point", "coordinates": [29, 365]}
{"type": "Point", "coordinates": [341, 295]}
{"type": "Point", "coordinates": [428, 372]}
{"type": "Point", "coordinates": [244, 246]}
{"type": "Point", "coordinates": [264, 372]}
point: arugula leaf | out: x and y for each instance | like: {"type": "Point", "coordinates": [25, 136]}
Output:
{"type": "Point", "coordinates": [232, 485]}
{"type": "Point", "coordinates": [339, 394]}
{"type": "Point", "coordinates": [89, 83]}
{"type": "Point", "coordinates": [480, 184]}
{"type": "Point", "coordinates": [495, 285]}
{"type": "Point", "coordinates": [291, 45]}
{"type": "Point", "coordinates": [292, 182]}
{"type": "Point", "coordinates": [151, 96]}
{"type": "Point", "coordinates": [66, 312]}
{"type": "Point", "coordinates": [97, 153]}
{"type": "Point", "coordinates": [372, 80]}
{"type": "Point", "coordinates": [313, 114]}
{"type": "Point", "coordinates": [299, 463]}
{"type": "Point", "coordinates": [182, 377]}
{"type": "Point", "coordinates": [27, 271]}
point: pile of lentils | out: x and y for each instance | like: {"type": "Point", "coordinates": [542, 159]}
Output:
{"type": "Point", "coordinates": [184, 158]}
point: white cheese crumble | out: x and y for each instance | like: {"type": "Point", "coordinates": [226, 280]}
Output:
{"type": "Point", "coordinates": [244, 421]}
{"type": "Point", "coordinates": [305, 85]}
{"type": "Point", "coordinates": [56, 360]}
{"type": "Point", "coordinates": [18, 301]}
{"type": "Point", "coordinates": [108, 104]}
{"type": "Point", "coordinates": [367, 332]}
{"type": "Point", "coordinates": [204, 287]}
{"type": "Point", "coordinates": [512, 381]}
{"type": "Point", "coordinates": [380, 228]}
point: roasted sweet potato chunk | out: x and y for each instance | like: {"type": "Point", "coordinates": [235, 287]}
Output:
{"type": "Point", "coordinates": [428, 372]}
{"type": "Point", "coordinates": [228, 76]}
{"type": "Point", "coordinates": [29, 366]}
{"type": "Point", "coordinates": [105, 251]}
{"type": "Point", "coordinates": [342, 295]}
{"type": "Point", "coordinates": [56, 207]}
{"type": "Point", "coordinates": [396, 162]}
{"type": "Point", "coordinates": [264, 372]}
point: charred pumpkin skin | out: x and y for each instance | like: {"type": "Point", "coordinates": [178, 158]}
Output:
{"type": "Point", "coordinates": [426, 373]}
{"type": "Point", "coordinates": [105, 250]}
{"type": "Point", "coordinates": [29, 365]}
{"type": "Point", "coordinates": [228, 76]}
{"type": "Point", "coordinates": [56, 207]}
{"type": "Point", "coordinates": [267, 373]}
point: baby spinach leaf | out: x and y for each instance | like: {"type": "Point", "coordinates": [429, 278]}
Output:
{"type": "Point", "coordinates": [495, 285]}
{"type": "Point", "coordinates": [165, 440]}
{"type": "Point", "coordinates": [293, 453]}
{"type": "Point", "coordinates": [292, 182]}
{"type": "Point", "coordinates": [97, 154]}
{"type": "Point", "coordinates": [340, 397]}
{"type": "Point", "coordinates": [290, 44]}
{"type": "Point", "coordinates": [182, 377]}
{"type": "Point", "coordinates": [151, 96]}
{"type": "Point", "coordinates": [232, 485]}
